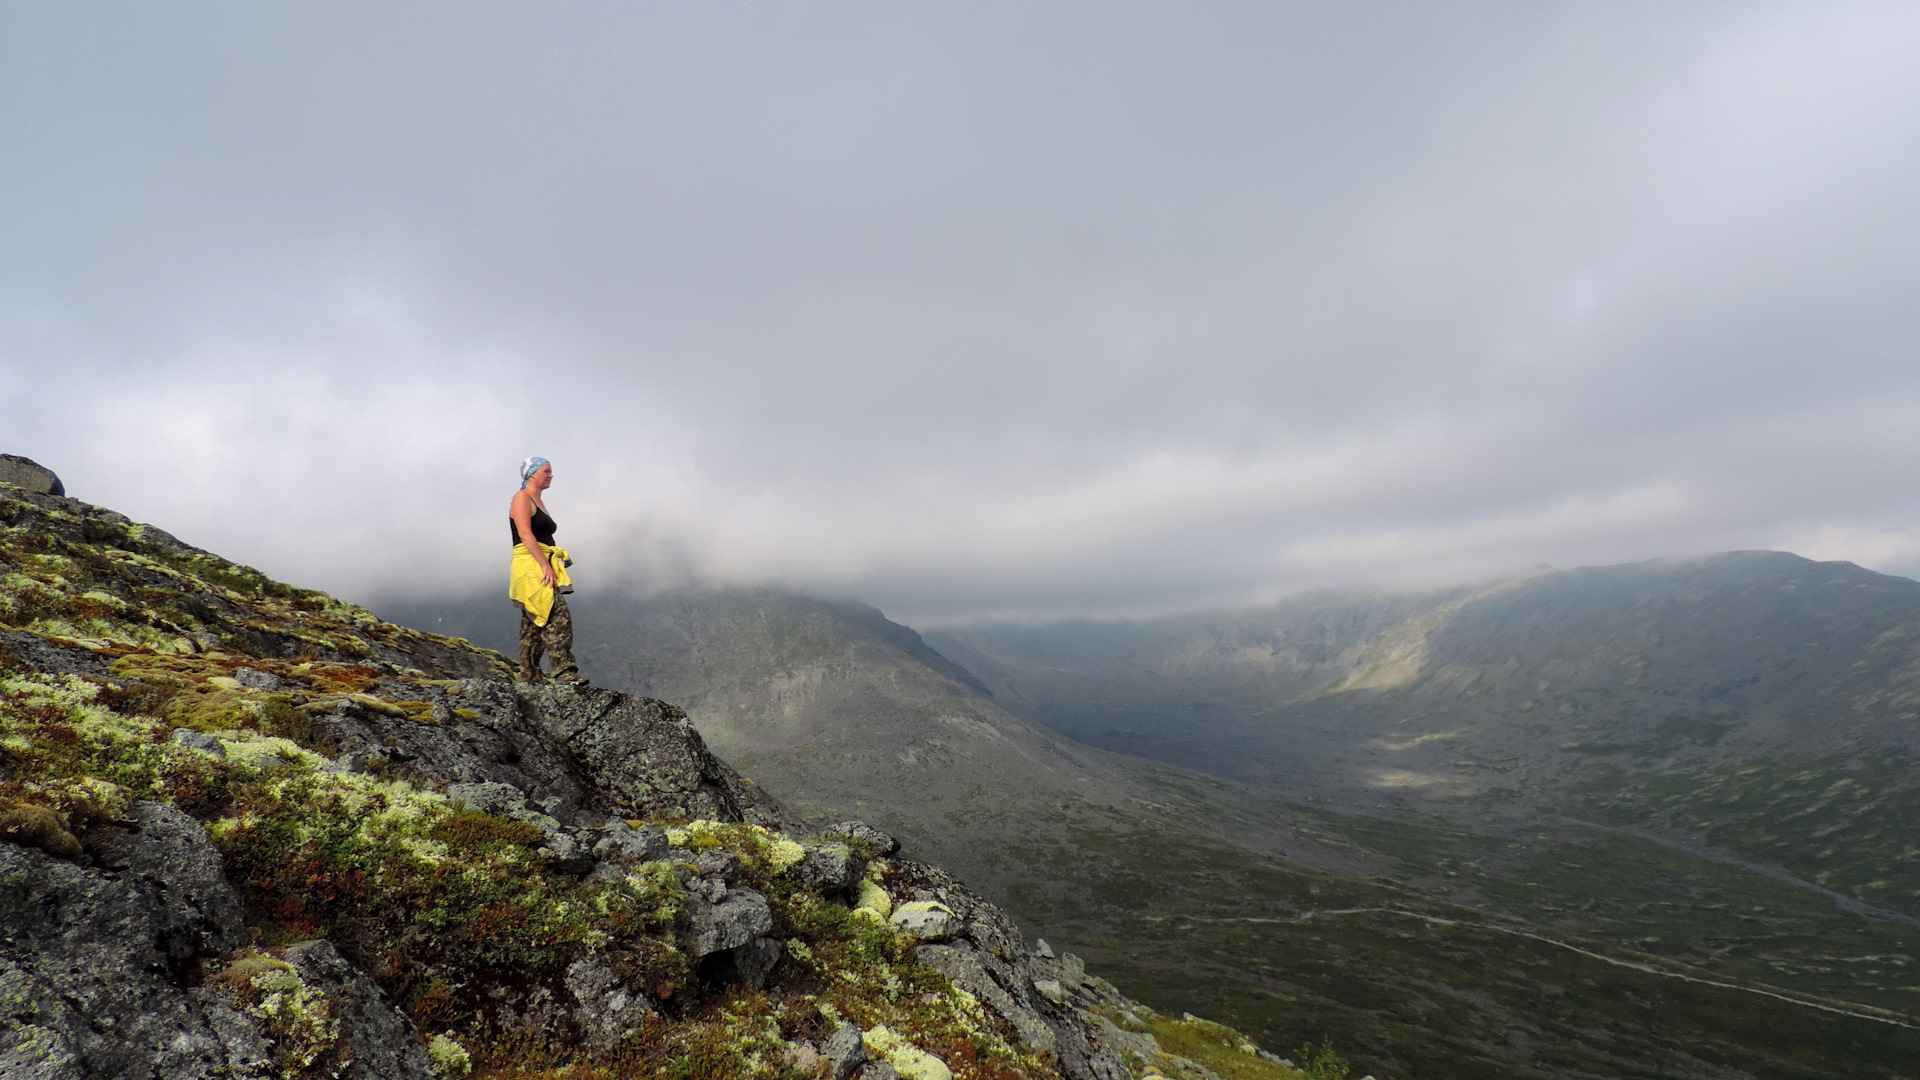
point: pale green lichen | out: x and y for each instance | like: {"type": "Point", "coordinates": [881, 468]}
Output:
{"type": "Point", "coordinates": [753, 843]}
{"type": "Point", "coordinates": [268, 751]}
{"type": "Point", "coordinates": [448, 1056]}
{"type": "Point", "coordinates": [381, 706]}
{"type": "Point", "coordinates": [873, 901]}
{"type": "Point", "coordinates": [784, 853]}
{"type": "Point", "coordinates": [299, 1019]}
{"type": "Point", "coordinates": [911, 1062]}
{"type": "Point", "coordinates": [41, 689]}
{"type": "Point", "coordinates": [433, 852]}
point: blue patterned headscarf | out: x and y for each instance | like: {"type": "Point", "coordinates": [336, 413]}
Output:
{"type": "Point", "coordinates": [529, 467]}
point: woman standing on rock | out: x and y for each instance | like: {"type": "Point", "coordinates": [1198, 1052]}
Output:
{"type": "Point", "coordinates": [536, 582]}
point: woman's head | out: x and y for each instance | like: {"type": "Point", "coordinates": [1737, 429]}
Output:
{"type": "Point", "coordinates": [536, 473]}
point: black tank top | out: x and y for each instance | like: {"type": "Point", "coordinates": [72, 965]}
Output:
{"type": "Point", "coordinates": [542, 526]}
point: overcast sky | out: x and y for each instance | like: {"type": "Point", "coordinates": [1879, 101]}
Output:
{"type": "Point", "coordinates": [976, 308]}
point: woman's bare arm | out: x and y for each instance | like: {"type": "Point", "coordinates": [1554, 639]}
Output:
{"type": "Point", "coordinates": [522, 512]}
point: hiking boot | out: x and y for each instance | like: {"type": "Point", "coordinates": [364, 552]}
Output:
{"type": "Point", "coordinates": [573, 677]}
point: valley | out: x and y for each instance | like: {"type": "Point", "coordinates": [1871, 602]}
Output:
{"type": "Point", "coordinates": [1632, 821]}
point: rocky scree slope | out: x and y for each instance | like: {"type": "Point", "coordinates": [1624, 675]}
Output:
{"type": "Point", "coordinates": [252, 831]}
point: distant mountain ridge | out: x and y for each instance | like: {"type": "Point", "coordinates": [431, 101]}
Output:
{"type": "Point", "coordinates": [1813, 656]}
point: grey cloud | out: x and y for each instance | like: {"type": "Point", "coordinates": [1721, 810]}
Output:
{"type": "Point", "coordinates": [1006, 308]}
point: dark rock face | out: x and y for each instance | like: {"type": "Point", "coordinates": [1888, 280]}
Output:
{"type": "Point", "coordinates": [375, 1041]}
{"type": "Point", "coordinates": [504, 746]}
{"type": "Point", "coordinates": [880, 843]}
{"type": "Point", "coordinates": [749, 964]}
{"type": "Point", "coordinates": [644, 754]}
{"type": "Point", "coordinates": [101, 966]}
{"type": "Point", "coordinates": [102, 962]}
{"type": "Point", "coordinates": [560, 756]}
{"type": "Point", "coordinates": [29, 474]}
{"type": "Point", "coordinates": [35, 653]}
{"type": "Point", "coordinates": [607, 1010]}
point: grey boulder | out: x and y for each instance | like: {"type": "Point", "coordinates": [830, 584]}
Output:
{"type": "Point", "coordinates": [201, 741]}
{"type": "Point", "coordinates": [844, 1051]}
{"type": "Point", "coordinates": [489, 797]}
{"type": "Point", "coordinates": [925, 921]}
{"type": "Point", "coordinates": [607, 1010]}
{"type": "Point", "coordinates": [716, 863]}
{"type": "Point", "coordinates": [646, 755]}
{"type": "Point", "coordinates": [968, 969]}
{"type": "Point", "coordinates": [829, 868]}
{"type": "Point", "coordinates": [739, 918]}
{"type": "Point", "coordinates": [255, 679]}
{"type": "Point", "coordinates": [623, 841]}
{"type": "Point", "coordinates": [749, 964]}
{"type": "Point", "coordinates": [29, 474]}
{"type": "Point", "coordinates": [881, 843]}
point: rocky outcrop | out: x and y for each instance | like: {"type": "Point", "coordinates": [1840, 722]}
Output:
{"type": "Point", "coordinates": [168, 596]}
{"type": "Point", "coordinates": [576, 754]}
{"type": "Point", "coordinates": [337, 756]}
{"type": "Point", "coordinates": [983, 952]}
{"type": "Point", "coordinates": [645, 755]}
{"type": "Point", "coordinates": [102, 966]}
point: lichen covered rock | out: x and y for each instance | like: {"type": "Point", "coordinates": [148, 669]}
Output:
{"type": "Point", "coordinates": [101, 964]}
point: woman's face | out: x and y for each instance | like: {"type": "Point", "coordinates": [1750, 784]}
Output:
{"type": "Point", "coordinates": [543, 476]}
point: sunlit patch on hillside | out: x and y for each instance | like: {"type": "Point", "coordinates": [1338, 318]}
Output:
{"type": "Point", "coordinates": [1408, 742]}
{"type": "Point", "coordinates": [971, 726]}
{"type": "Point", "coordinates": [1403, 778]}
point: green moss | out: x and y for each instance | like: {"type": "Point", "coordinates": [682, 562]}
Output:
{"type": "Point", "coordinates": [1223, 1051]}
{"type": "Point", "coordinates": [300, 1022]}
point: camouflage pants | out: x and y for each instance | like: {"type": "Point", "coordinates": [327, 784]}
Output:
{"type": "Point", "coordinates": [555, 638]}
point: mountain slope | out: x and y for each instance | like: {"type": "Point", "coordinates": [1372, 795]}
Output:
{"type": "Point", "coordinates": [249, 831]}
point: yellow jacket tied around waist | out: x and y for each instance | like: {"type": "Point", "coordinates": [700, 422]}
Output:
{"type": "Point", "coordinates": [523, 580]}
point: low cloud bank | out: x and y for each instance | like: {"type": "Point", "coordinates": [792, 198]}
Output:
{"type": "Point", "coordinates": [1181, 307]}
